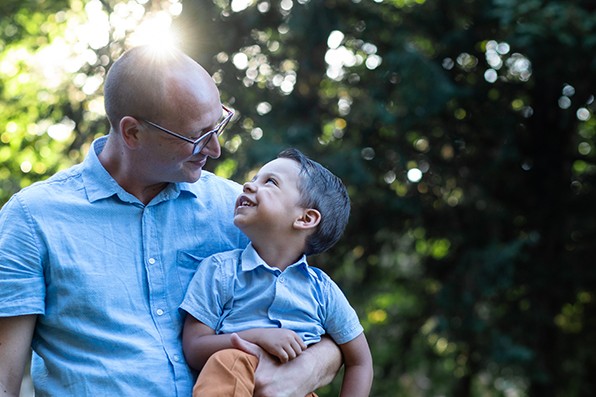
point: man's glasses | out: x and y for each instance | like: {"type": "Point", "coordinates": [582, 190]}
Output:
{"type": "Point", "coordinates": [199, 144]}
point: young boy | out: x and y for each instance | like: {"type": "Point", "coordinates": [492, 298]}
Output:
{"type": "Point", "coordinates": [267, 294]}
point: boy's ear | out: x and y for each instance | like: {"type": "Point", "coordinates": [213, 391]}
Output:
{"type": "Point", "coordinates": [310, 219]}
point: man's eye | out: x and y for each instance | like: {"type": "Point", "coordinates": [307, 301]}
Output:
{"type": "Point", "coordinates": [199, 134]}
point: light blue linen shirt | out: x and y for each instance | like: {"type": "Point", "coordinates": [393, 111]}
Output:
{"type": "Point", "coordinates": [106, 275]}
{"type": "Point", "coordinates": [237, 290]}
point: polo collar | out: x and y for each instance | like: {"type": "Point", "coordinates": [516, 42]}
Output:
{"type": "Point", "coordinates": [251, 260]}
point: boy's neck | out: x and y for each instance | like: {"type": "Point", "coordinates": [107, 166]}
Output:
{"type": "Point", "coordinates": [278, 257]}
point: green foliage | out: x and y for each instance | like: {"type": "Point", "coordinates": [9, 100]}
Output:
{"type": "Point", "coordinates": [466, 279]}
{"type": "Point", "coordinates": [464, 131]}
{"type": "Point", "coordinates": [47, 110]}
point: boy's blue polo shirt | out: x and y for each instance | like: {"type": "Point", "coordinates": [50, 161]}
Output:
{"type": "Point", "coordinates": [106, 274]}
{"type": "Point", "coordinates": [237, 290]}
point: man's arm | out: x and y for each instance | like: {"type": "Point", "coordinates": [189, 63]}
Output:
{"type": "Point", "coordinates": [314, 368]}
{"type": "Point", "coordinates": [15, 340]}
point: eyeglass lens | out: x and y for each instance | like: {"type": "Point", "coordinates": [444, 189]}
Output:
{"type": "Point", "coordinates": [217, 132]}
{"type": "Point", "coordinates": [201, 144]}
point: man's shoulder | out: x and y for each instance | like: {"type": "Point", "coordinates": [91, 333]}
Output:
{"type": "Point", "coordinates": [211, 179]}
{"type": "Point", "coordinates": [213, 185]}
{"type": "Point", "coordinates": [59, 183]}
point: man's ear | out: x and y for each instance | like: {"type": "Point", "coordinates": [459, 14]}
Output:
{"type": "Point", "coordinates": [129, 129]}
{"type": "Point", "coordinates": [309, 220]}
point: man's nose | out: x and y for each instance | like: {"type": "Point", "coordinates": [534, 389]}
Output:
{"type": "Point", "coordinates": [212, 148]}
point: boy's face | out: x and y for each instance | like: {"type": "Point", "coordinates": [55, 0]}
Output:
{"type": "Point", "coordinates": [269, 203]}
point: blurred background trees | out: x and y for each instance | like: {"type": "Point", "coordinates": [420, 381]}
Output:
{"type": "Point", "coordinates": [464, 130]}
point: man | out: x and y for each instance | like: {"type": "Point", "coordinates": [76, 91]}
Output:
{"type": "Point", "coordinates": [94, 262]}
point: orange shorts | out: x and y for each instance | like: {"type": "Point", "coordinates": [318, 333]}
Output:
{"type": "Point", "coordinates": [228, 373]}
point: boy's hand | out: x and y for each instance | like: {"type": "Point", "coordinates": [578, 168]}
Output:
{"type": "Point", "coordinates": [282, 343]}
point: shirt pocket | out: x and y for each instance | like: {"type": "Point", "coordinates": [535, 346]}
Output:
{"type": "Point", "coordinates": [187, 263]}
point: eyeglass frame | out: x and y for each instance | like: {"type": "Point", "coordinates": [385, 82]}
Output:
{"type": "Point", "coordinates": [200, 143]}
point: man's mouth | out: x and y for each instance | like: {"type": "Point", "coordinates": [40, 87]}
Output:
{"type": "Point", "coordinates": [200, 162]}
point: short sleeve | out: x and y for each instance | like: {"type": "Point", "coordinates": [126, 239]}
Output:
{"type": "Point", "coordinates": [22, 284]}
{"type": "Point", "coordinates": [208, 292]}
{"type": "Point", "coordinates": [341, 320]}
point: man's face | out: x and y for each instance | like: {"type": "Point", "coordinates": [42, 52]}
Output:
{"type": "Point", "coordinates": [169, 152]}
{"type": "Point", "coordinates": [188, 107]}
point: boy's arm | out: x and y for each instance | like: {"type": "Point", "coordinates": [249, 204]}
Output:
{"type": "Point", "coordinates": [282, 343]}
{"type": "Point", "coordinates": [358, 375]}
{"type": "Point", "coordinates": [15, 340]}
{"type": "Point", "coordinates": [200, 341]}
{"type": "Point", "coordinates": [314, 368]}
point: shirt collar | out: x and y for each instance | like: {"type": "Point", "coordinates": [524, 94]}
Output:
{"type": "Point", "coordinates": [99, 184]}
{"type": "Point", "coordinates": [251, 260]}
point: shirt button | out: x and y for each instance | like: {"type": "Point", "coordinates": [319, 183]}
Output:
{"type": "Point", "coordinates": [151, 261]}
{"type": "Point", "coordinates": [159, 312]}
{"type": "Point", "coordinates": [282, 280]}
{"type": "Point", "coordinates": [176, 358]}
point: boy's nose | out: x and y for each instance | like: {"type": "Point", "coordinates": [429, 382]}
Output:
{"type": "Point", "coordinates": [248, 187]}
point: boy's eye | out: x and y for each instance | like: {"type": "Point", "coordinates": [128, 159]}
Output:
{"type": "Point", "coordinates": [271, 180]}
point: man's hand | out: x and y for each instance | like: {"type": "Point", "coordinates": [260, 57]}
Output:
{"type": "Point", "coordinates": [265, 375]}
{"type": "Point", "coordinates": [315, 367]}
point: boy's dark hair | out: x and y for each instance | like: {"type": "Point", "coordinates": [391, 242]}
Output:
{"type": "Point", "coordinates": [322, 190]}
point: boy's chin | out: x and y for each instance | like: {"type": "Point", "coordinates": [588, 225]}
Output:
{"type": "Point", "coordinates": [244, 227]}
{"type": "Point", "coordinates": [239, 222]}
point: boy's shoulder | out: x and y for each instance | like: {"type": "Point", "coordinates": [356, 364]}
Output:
{"type": "Point", "coordinates": [224, 263]}
{"type": "Point", "coordinates": [225, 256]}
{"type": "Point", "coordinates": [317, 273]}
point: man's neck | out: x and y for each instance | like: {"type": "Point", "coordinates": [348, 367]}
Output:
{"type": "Point", "coordinates": [113, 160]}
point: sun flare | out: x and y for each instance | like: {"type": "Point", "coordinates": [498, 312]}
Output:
{"type": "Point", "coordinates": [155, 31]}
